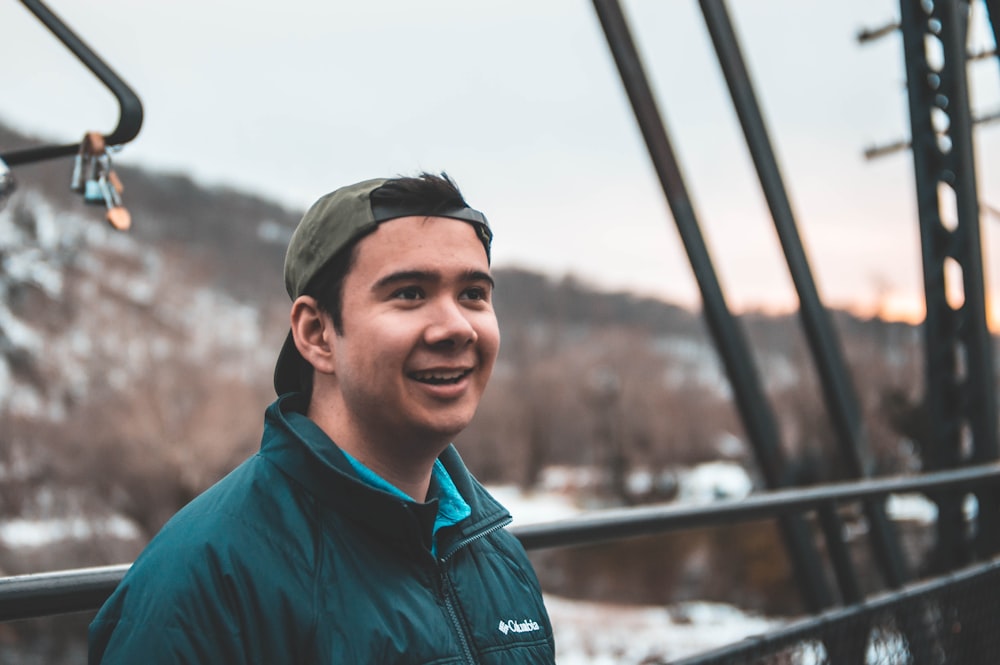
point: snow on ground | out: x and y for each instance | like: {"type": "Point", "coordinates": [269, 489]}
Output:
{"type": "Point", "coordinates": [911, 507]}
{"type": "Point", "coordinates": [608, 634]}
{"type": "Point", "coordinates": [714, 481]}
{"type": "Point", "coordinates": [23, 533]}
{"type": "Point", "coordinates": [534, 507]}
{"type": "Point", "coordinates": [918, 508]}
{"type": "Point", "coordinates": [589, 633]}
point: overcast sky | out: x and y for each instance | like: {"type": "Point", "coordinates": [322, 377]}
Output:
{"type": "Point", "coordinates": [520, 102]}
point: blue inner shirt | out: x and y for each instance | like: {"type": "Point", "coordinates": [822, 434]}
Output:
{"type": "Point", "coordinates": [452, 508]}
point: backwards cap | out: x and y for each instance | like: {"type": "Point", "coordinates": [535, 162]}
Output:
{"type": "Point", "coordinates": [330, 226]}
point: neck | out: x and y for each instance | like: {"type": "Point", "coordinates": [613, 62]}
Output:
{"type": "Point", "coordinates": [411, 482]}
{"type": "Point", "coordinates": [407, 464]}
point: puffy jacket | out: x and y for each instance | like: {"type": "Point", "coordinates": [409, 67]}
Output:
{"type": "Point", "coordinates": [292, 559]}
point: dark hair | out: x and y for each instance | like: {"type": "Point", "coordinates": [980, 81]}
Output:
{"type": "Point", "coordinates": [433, 193]}
{"type": "Point", "coordinates": [426, 191]}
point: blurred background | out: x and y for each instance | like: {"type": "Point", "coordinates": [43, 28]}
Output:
{"type": "Point", "coordinates": [522, 104]}
{"type": "Point", "coordinates": [134, 368]}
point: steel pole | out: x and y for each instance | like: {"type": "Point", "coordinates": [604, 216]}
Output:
{"type": "Point", "coordinates": [824, 345]}
{"type": "Point", "coordinates": [730, 341]}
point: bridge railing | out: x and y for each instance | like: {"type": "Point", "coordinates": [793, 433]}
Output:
{"type": "Point", "coordinates": [949, 619]}
{"type": "Point", "coordinates": [924, 610]}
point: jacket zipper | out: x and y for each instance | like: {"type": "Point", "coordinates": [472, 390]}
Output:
{"type": "Point", "coordinates": [453, 613]}
{"type": "Point", "coordinates": [473, 538]}
{"type": "Point", "coordinates": [463, 637]}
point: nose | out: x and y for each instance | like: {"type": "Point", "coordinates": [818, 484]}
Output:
{"type": "Point", "coordinates": [450, 326]}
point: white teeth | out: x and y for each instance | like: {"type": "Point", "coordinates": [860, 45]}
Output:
{"type": "Point", "coordinates": [439, 376]}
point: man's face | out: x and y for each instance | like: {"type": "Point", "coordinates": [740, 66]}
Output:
{"type": "Point", "coordinates": [420, 336]}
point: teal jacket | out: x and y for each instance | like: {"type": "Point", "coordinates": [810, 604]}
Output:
{"type": "Point", "coordinates": [292, 558]}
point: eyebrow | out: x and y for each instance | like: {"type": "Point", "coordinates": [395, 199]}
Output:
{"type": "Point", "coordinates": [429, 276]}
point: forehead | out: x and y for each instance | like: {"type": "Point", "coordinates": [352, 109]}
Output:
{"type": "Point", "coordinates": [418, 241]}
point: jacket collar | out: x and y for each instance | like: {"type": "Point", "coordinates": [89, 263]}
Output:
{"type": "Point", "coordinates": [305, 453]}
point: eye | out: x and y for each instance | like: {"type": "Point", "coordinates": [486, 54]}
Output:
{"type": "Point", "coordinates": [408, 293]}
{"type": "Point", "coordinates": [476, 293]}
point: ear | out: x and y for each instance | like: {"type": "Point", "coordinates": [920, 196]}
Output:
{"type": "Point", "coordinates": [313, 331]}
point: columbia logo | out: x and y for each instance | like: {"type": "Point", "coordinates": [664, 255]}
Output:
{"type": "Point", "coordinates": [514, 626]}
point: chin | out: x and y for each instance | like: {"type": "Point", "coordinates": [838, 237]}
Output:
{"type": "Point", "coordinates": [446, 430]}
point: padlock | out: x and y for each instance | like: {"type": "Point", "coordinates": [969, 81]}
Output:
{"type": "Point", "coordinates": [91, 147]}
{"type": "Point", "coordinates": [119, 218]}
{"type": "Point", "coordinates": [94, 177]}
{"type": "Point", "coordinates": [76, 180]}
{"type": "Point", "coordinates": [110, 195]}
{"type": "Point", "coordinates": [93, 193]}
{"type": "Point", "coordinates": [97, 168]}
{"type": "Point", "coordinates": [116, 182]}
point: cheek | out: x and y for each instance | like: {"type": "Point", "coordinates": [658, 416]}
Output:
{"type": "Point", "coordinates": [390, 346]}
{"type": "Point", "coordinates": [369, 353]}
{"type": "Point", "coordinates": [489, 338]}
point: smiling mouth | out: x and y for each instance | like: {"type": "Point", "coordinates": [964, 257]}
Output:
{"type": "Point", "coordinates": [440, 378]}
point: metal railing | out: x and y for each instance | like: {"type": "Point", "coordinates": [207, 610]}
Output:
{"type": "Point", "coordinates": [129, 105]}
{"type": "Point", "coordinates": [46, 594]}
{"type": "Point", "coordinates": [873, 631]}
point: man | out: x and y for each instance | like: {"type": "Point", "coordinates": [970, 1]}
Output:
{"type": "Point", "coordinates": [355, 535]}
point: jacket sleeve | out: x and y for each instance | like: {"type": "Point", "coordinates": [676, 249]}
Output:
{"type": "Point", "coordinates": [204, 605]}
{"type": "Point", "coordinates": [165, 612]}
